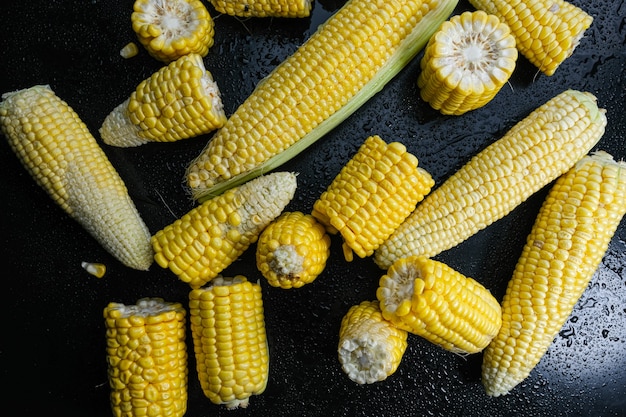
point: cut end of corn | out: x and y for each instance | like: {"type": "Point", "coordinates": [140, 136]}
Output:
{"type": "Point", "coordinates": [264, 8]}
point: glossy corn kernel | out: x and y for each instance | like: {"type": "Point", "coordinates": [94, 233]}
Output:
{"type": "Point", "coordinates": [264, 8]}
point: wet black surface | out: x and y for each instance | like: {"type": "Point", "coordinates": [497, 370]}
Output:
{"type": "Point", "coordinates": [52, 355]}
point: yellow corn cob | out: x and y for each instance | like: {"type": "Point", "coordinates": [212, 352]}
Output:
{"type": "Point", "coordinates": [466, 63]}
{"type": "Point", "coordinates": [228, 329]}
{"type": "Point", "coordinates": [199, 245]}
{"type": "Point", "coordinates": [345, 62]}
{"type": "Point", "coordinates": [179, 101]}
{"type": "Point", "coordinates": [372, 195]}
{"type": "Point", "coordinates": [292, 251]}
{"type": "Point", "coordinates": [432, 300]}
{"type": "Point", "coordinates": [264, 8]}
{"type": "Point", "coordinates": [147, 358]}
{"type": "Point", "coordinates": [568, 240]}
{"type": "Point", "coordinates": [169, 29]}
{"type": "Point", "coordinates": [546, 31]}
{"type": "Point", "coordinates": [532, 154]}
{"type": "Point", "coordinates": [370, 347]}
{"type": "Point", "coordinates": [63, 157]}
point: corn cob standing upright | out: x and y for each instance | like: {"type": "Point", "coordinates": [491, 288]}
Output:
{"type": "Point", "coordinates": [572, 232]}
{"type": "Point", "coordinates": [264, 8]}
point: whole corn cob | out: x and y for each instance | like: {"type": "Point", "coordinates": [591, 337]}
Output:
{"type": "Point", "coordinates": [57, 149]}
{"type": "Point", "coordinates": [568, 240]}
{"type": "Point", "coordinates": [370, 347]}
{"type": "Point", "coordinates": [372, 195]}
{"type": "Point", "coordinates": [179, 101]}
{"type": "Point", "coordinates": [230, 343]}
{"type": "Point", "coordinates": [546, 31]}
{"type": "Point", "coordinates": [428, 298]}
{"type": "Point", "coordinates": [203, 242]}
{"type": "Point", "coordinates": [264, 8]}
{"type": "Point", "coordinates": [344, 63]}
{"type": "Point", "coordinates": [528, 157]}
{"type": "Point", "coordinates": [147, 358]}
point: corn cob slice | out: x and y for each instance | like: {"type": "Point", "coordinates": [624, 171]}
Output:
{"type": "Point", "coordinates": [59, 152]}
{"type": "Point", "coordinates": [203, 242]}
{"type": "Point", "coordinates": [546, 32]}
{"type": "Point", "coordinates": [147, 358]}
{"type": "Point", "coordinates": [372, 195]}
{"type": "Point", "coordinates": [466, 63]}
{"type": "Point", "coordinates": [169, 29]}
{"type": "Point", "coordinates": [428, 298]}
{"type": "Point", "coordinates": [344, 63]}
{"type": "Point", "coordinates": [229, 338]}
{"type": "Point", "coordinates": [568, 240]}
{"type": "Point", "coordinates": [292, 250]}
{"type": "Point", "coordinates": [532, 154]}
{"type": "Point", "coordinates": [266, 8]}
{"type": "Point", "coordinates": [370, 347]}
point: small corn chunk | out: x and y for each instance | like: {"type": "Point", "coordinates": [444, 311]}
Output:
{"type": "Point", "coordinates": [528, 157]}
{"type": "Point", "coordinates": [372, 195]}
{"type": "Point", "coordinates": [147, 358]}
{"type": "Point", "coordinates": [229, 339]}
{"type": "Point", "coordinates": [203, 242]}
{"type": "Point", "coordinates": [264, 8]}
{"type": "Point", "coordinates": [466, 63]}
{"type": "Point", "coordinates": [546, 31]}
{"type": "Point", "coordinates": [179, 101]}
{"type": "Point", "coordinates": [169, 29]}
{"type": "Point", "coordinates": [428, 298]}
{"type": "Point", "coordinates": [370, 347]}
{"type": "Point", "coordinates": [563, 250]}
{"type": "Point", "coordinates": [63, 157]}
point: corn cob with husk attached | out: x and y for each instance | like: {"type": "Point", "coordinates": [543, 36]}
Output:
{"type": "Point", "coordinates": [57, 149]}
{"type": "Point", "coordinates": [344, 63]}
{"type": "Point", "coordinates": [563, 250]}
{"type": "Point", "coordinates": [537, 150]}
{"type": "Point", "coordinates": [264, 8]}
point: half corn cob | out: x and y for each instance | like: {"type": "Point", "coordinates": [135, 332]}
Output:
{"type": "Point", "coordinates": [57, 149]}
{"type": "Point", "coordinates": [370, 347]}
{"type": "Point", "coordinates": [230, 343]}
{"type": "Point", "coordinates": [344, 63]}
{"type": "Point", "coordinates": [546, 31]}
{"type": "Point", "coordinates": [428, 298]}
{"type": "Point", "coordinates": [147, 358]}
{"type": "Point", "coordinates": [466, 63]}
{"type": "Point", "coordinates": [532, 154]}
{"type": "Point", "coordinates": [568, 240]}
{"type": "Point", "coordinates": [203, 242]}
{"type": "Point", "coordinates": [264, 8]}
{"type": "Point", "coordinates": [372, 195]}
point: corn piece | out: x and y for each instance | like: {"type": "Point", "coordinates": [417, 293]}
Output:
{"type": "Point", "coordinates": [264, 8]}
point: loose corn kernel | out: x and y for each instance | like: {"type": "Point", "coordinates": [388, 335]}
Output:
{"type": "Point", "coordinates": [265, 8]}
{"type": "Point", "coordinates": [129, 50]}
{"type": "Point", "coordinates": [96, 269]}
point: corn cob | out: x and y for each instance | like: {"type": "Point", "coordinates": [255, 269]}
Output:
{"type": "Point", "coordinates": [203, 242]}
{"type": "Point", "coordinates": [344, 63]}
{"type": "Point", "coordinates": [179, 101]}
{"type": "Point", "coordinates": [228, 329]}
{"type": "Point", "coordinates": [147, 358]}
{"type": "Point", "coordinates": [370, 347]}
{"type": "Point", "coordinates": [372, 195]}
{"type": "Point", "coordinates": [532, 154]}
{"type": "Point", "coordinates": [568, 240]}
{"type": "Point", "coordinates": [169, 29]}
{"type": "Point", "coordinates": [59, 152]}
{"type": "Point", "coordinates": [292, 250]}
{"type": "Point", "coordinates": [466, 63]}
{"type": "Point", "coordinates": [546, 32]}
{"type": "Point", "coordinates": [265, 8]}
{"type": "Point", "coordinates": [428, 298]}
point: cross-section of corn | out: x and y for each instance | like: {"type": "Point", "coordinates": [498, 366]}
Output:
{"type": "Point", "coordinates": [372, 195]}
{"type": "Point", "coordinates": [563, 250]}
{"type": "Point", "coordinates": [179, 101]}
{"type": "Point", "coordinates": [430, 299]}
{"type": "Point", "coordinates": [292, 250]}
{"type": "Point", "coordinates": [466, 63]}
{"type": "Point", "coordinates": [203, 242]}
{"type": "Point", "coordinates": [370, 347]}
{"type": "Point", "coordinates": [229, 339]}
{"type": "Point", "coordinates": [528, 157]}
{"type": "Point", "coordinates": [169, 29]}
{"type": "Point", "coordinates": [147, 358]}
{"type": "Point", "coordinates": [264, 8]}
{"type": "Point", "coordinates": [63, 157]}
